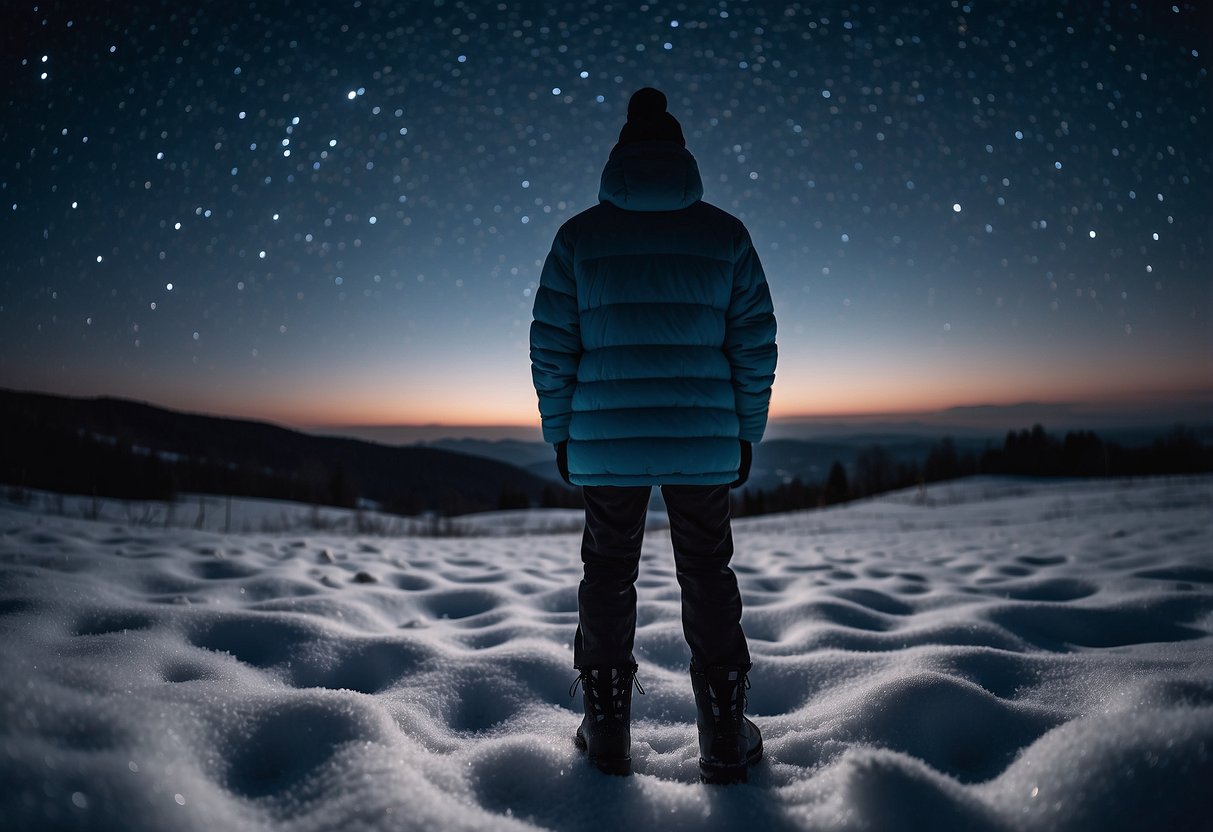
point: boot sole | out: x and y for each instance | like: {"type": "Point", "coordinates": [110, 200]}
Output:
{"type": "Point", "coordinates": [616, 766]}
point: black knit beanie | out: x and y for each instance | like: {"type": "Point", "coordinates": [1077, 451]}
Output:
{"type": "Point", "coordinates": [648, 121]}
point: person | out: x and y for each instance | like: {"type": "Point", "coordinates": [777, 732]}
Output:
{"type": "Point", "coordinates": [653, 354]}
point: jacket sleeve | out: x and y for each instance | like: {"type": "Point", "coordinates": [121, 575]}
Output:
{"type": "Point", "coordinates": [750, 341]}
{"type": "Point", "coordinates": [556, 341]}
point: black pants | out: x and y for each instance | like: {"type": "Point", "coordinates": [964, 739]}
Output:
{"type": "Point", "coordinates": [610, 553]}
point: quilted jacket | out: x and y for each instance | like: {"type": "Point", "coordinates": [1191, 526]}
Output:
{"type": "Point", "coordinates": [653, 340]}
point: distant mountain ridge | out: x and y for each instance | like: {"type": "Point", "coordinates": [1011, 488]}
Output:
{"type": "Point", "coordinates": [115, 447]}
{"type": "Point", "coordinates": [1128, 421]}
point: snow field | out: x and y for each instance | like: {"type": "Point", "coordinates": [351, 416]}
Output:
{"type": "Point", "coordinates": [986, 654]}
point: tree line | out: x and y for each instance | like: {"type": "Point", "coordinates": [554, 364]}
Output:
{"type": "Point", "coordinates": [1030, 453]}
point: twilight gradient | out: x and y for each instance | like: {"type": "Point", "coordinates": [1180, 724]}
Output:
{"type": "Point", "coordinates": [321, 212]}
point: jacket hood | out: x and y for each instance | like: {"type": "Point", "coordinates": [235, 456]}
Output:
{"type": "Point", "coordinates": [650, 176]}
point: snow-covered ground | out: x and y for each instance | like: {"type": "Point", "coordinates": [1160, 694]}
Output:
{"type": "Point", "coordinates": [208, 512]}
{"type": "Point", "coordinates": [979, 655]}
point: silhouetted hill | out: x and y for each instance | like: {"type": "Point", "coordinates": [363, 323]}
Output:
{"type": "Point", "coordinates": [113, 447]}
{"type": "Point", "coordinates": [536, 457]}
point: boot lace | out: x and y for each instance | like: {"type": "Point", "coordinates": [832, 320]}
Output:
{"type": "Point", "coordinates": [739, 683]}
{"type": "Point", "coordinates": [604, 689]}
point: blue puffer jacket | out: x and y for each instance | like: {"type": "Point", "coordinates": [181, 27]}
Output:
{"type": "Point", "coordinates": [653, 344]}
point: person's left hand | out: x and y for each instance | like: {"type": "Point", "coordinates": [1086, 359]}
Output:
{"type": "Point", "coordinates": [562, 460]}
{"type": "Point", "coordinates": [747, 459]}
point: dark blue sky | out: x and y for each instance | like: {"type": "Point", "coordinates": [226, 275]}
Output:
{"type": "Point", "coordinates": [335, 212]}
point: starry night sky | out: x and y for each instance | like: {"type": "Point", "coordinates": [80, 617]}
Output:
{"type": "Point", "coordinates": [336, 212]}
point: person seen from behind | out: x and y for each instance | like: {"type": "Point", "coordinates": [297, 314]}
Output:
{"type": "Point", "coordinates": [653, 354]}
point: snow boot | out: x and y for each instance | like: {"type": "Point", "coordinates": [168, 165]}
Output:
{"type": "Point", "coordinates": [605, 733]}
{"type": "Point", "coordinates": [729, 743]}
